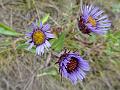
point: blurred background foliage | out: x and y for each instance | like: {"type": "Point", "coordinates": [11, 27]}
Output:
{"type": "Point", "coordinates": [21, 69]}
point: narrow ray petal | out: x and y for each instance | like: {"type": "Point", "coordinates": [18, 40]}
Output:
{"type": "Point", "coordinates": [46, 27]}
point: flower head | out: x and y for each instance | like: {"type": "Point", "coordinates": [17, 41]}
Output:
{"type": "Point", "coordinates": [73, 67]}
{"type": "Point", "coordinates": [93, 20]}
{"type": "Point", "coordinates": [39, 37]}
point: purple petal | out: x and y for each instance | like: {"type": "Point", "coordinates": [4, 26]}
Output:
{"type": "Point", "coordinates": [29, 34]}
{"type": "Point", "coordinates": [46, 27]}
{"type": "Point", "coordinates": [94, 10]}
{"type": "Point", "coordinates": [64, 62]}
{"type": "Point", "coordinates": [41, 25]}
{"type": "Point", "coordinates": [99, 32]}
{"type": "Point", "coordinates": [73, 80]}
{"type": "Point", "coordinates": [34, 26]}
{"type": "Point", "coordinates": [82, 73]}
{"type": "Point", "coordinates": [90, 8]}
{"type": "Point", "coordinates": [28, 41]}
{"type": "Point", "coordinates": [84, 66]}
{"type": "Point", "coordinates": [74, 75]}
{"type": "Point", "coordinates": [40, 50]}
{"type": "Point", "coordinates": [104, 25]}
{"type": "Point", "coordinates": [47, 44]}
{"type": "Point", "coordinates": [102, 29]}
{"type": "Point", "coordinates": [64, 72]}
{"type": "Point", "coordinates": [90, 26]}
{"type": "Point", "coordinates": [103, 17]}
{"type": "Point", "coordinates": [79, 76]}
{"type": "Point", "coordinates": [31, 45]}
{"type": "Point", "coordinates": [85, 10]}
{"type": "Point", "coordinates": [98, 13]}
{"type": "Point", "coordinates": [49, 35]}
{"type": "Point", "coordinates": [105, 21]}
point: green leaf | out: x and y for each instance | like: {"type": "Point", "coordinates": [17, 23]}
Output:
{"type": "Point", "coordinates": [22, 46]}
{"type": "Point", "coordinates": [5, 30]}
{"type": "Point", "coordinates": [116, 8]}
{"type": "Point", "coordinates": [49, 71]}
{"type": "Point", "coordinates": [44, 20]}
{"type": "Point", "coordinates": [92, 38]}
{"type": "Point", "coordinates": [6, 27]}
{"type": "Point", "coordinates": [25, 46]}
{"type": "Point", "coordinates": [57, 44]}
{"type": "Point", "coordinates": [10, 33]}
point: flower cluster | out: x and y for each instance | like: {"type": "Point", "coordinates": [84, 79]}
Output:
{"type": "Point", "coordinates": [71, 65]}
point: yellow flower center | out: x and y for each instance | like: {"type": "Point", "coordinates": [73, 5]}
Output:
{"type": "Point", "coordinates": [92, 21]}
{"type": "Point", "coordinates": [38, 37]}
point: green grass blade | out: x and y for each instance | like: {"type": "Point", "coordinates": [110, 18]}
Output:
{"type": "Point", "coordinates": [45, 19]}
{"type": "Point", "coordinates": [5, 30]}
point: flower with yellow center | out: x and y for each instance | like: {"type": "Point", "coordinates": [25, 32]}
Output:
{"type": "Point", "coordinates": [92, 19]}
{"type": "Point", "coordinates": [39, 37]}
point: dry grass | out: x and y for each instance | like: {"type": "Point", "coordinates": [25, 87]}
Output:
{"type": "Point", "coordinates": [19, 68]}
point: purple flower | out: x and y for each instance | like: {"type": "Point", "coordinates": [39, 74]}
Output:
{"type": "Point", "coordinates": [94, 20]}
{"type": "Point", "coordinates": [73, 67]}
{"type": "Point", "coordinates": [39, 37]}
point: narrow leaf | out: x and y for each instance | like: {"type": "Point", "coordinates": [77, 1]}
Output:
{"type": "Point", "coordinates": [6, 27]}
{"type": "Point", "coordinates": [49, 71]}
{"type": "Point", "coordinates": [57, 44]}
{"type": "Point", "coordinates": [5, 30]}
{"type": "Point", "coordinates": [44, 20]}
